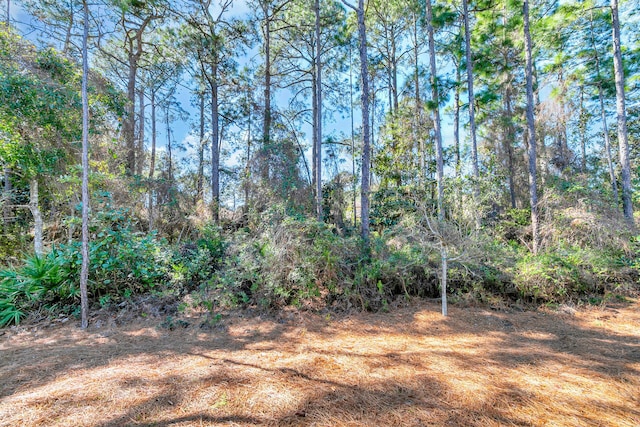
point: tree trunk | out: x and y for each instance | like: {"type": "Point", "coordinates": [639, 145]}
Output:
{"type": "Point", "coordinates": [353, 138]}
{"type": "Point", "coordinates": [201, 144]}
{"type": "Point", "coordinates": [509, 136]}
{"type": "Point", "coordinates": [84, 270]}
{"type": "Point", "coordinates": [531, 132]}
{"type": "Point", "coordinates": [418, 105]}
{"type": "Point", "coordinates": [135, 50]}
{"type": "Point", "coordinates": [215, 144]}
{"type": "Point", "coordinates": [152, 160]}
{"type": "Point", "coordinates": [389, 72]}
{"type": "Point", "coordinates": [6, 210]}
{"type": "Point", "coordinates": [67, 39]}
{"type": "Point", "coordinates": [373, 125]}
{"type": "Point", "coordinates": [623, 143]}
{"type": "Point", "coordinates": [439, 155]}
{"type": "Point", "coordinates": [266, 126]}
{"type": "Point", "coordinates": [140, 147]}
{"type": "Point", "coordinates": [603, 115]}
{"type": "Point", "coordinates": [456, 123]}
{"type": "Point", "coordinates": [394, 73]}
{"type": "Point", "coordinates": [318, 138]}
{"type": "Point", "coordinates": [38, 225]}
{"type": "Point", "coordinates": [169, 147]}
{"type": "Point", "coordinates": [443, 279]}
{"type": "Point", "coordinates": [456, 138]}
{"type": "Point", "coordinates": [436, 113]}
{"type": "Point", "coordinates": [128, 124]}
{"type": "Point", "coordinates": [314, 127]}
{"type": "Point", "coordinates": [475, 170]}
{"type": "Point", "coordinates": [583, 133]}
{"type": "Point", "coordinates": [366, 144]}
{"type": "Point", "coordinates": [247, 168]}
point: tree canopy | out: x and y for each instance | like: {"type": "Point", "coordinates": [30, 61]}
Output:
{"type": "Point", "coordinates": [430, 129]}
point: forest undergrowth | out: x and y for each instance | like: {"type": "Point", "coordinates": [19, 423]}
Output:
{"type": "Point", "coordinates": [275, 260]}
{"type": "Point", "coordinates": [409, 367]}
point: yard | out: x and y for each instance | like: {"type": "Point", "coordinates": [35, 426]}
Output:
{"type": "Point", "coordinates": [409, 367]}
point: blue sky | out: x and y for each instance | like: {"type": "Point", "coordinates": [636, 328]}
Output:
{"type": "Point", "coordinates": [337, 126]}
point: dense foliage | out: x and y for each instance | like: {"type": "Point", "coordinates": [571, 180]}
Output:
{"type": "Point", "coordinates": [261, 203]}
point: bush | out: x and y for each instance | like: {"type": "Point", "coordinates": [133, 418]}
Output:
{"type": "Point", "coordinates": [121, 263]}
{"type": "Point", "coordinates": [39, 280]}
{"type": "Point", "coordinates": [295, 262]}
{"type": "Point", "coordinates": [120, 259]}
{"type": "Point", "coordinates": [302, 262]}
{"type": "Point", "coordinates": [570, 273]}
{"type": "Point", "coordinates": [195, 263]}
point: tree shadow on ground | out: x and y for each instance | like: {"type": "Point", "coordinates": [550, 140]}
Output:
{"type": "Point", "coordinates": [409, 367]}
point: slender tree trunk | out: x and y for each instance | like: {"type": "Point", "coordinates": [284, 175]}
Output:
{"type": "Point", "coordinates": [508, 146]}
{"type": "Point", "coordinates": [394, 74]}
{"type": "Point", "coordinates": [418, 106]}
{"type": "Point", "coordinates": [84, 270]}
{"type": "Point", "coordinates": [140, 147]}
{"type": "Point", "coordinates": [318, 138]}
{"type": "Point", "coordinates": [603, 115]}
{"type": "Point", "coordinates": [439, 156]}
{"type": "Point", "coordinates": [456, 123]}
{"type": "Point", "coordinates": [6, 210]}
{"type": "Point", "coordinates": [456, 137]}
{"type": "Point", "coordinates": [128, 124]}
{"type": "Point", "coordinates": [266, 129]}
{"type": "Point", "coordinates": [169, 146]}
{"type": "Point", "coordinates": [247, 168]}
{"type": "Point", "coordinates": [67, 39]}
{"type": "Point", "coordinates": [373, 126]}
{"type": "Point", "coordinates": [353, 137]}
{"type": "Point", "coordinates": [8, 21]}
{"type": "Point", "coordinates": [388, 69]}
{"type": "Point", "coordinates": [38, 224]}
{"type": "Point", "coordinates": [623, 142]}
{"type": "Point", "coordinates": [135, 50]}
{"type": "Point", "coordinates": [366, 144]}
{"type": "Point", "coordinates": [152, 160]}
{"type": "Point", "coordinates": [436, 114]}
{"type": "Point", "coordinates": [200, 175]}
{"type": "Point", "coordinates": [314, 127]}
{"type": "Point", "coordinates": [475, 170]}
{"type": "Point", "coordinates": [215, 144]}
{"type": "Point", "coordinates": [531, 132]}
{"type": "Point", "coordinates": [583, 133]}
{"type": "Point", "coordinates": [509, 131]}
{"type": "Point", "coordinates": [444, 273]}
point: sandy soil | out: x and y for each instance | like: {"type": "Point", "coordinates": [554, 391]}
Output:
{"type": "Point", "coordinates": [410, 367]}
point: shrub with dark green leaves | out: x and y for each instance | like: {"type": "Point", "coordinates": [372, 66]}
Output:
{"type": "Point", "coordinates": [122, 262]}
{"type": "Point", "coordinates": [120, 259]}
{"type": "Point", "coordinates": [194, 264]}
{"type": "Point", "coordinates": [40, 280]}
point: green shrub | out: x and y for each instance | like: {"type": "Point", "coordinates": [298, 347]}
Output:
{"type": "Point", "coordinates": [195, 263]}
{"type": "Point", "coordinates": [39, 280]}
{"type": "Point", "coordinates": [297, 261]}
{"type": "Point", "coordinates": [120, 259]}
{"type": "Point", "coordinates": [121, 263]}
{"type": "Point", "coordinates": [569, 273]}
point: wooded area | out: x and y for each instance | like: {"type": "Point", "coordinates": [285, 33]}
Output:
{"type": "Point", "coordinates": [319, 154]}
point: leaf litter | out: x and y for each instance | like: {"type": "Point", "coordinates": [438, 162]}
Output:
{"type": "Point", "coordinates": [409, 367]}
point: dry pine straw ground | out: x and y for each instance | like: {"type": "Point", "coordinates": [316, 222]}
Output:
{"type": "Point", "coordinates": [410, 367]}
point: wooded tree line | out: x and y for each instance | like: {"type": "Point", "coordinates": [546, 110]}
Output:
{"type": "Point", "coordinates": [468, 110]}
